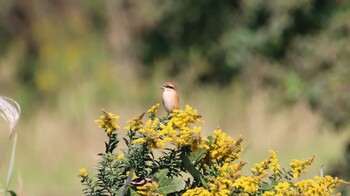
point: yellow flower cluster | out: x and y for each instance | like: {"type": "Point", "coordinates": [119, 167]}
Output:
{"type": "Point", "coordinates": [224, 148]}
{"type": "Point", "coordinates": [300, 167]}
{"type": "Point", "coordinates": [271, 163]}
{"type": "Point", "coordinates": [319, 186]}
{"type": "Point", "coordinates": [192, 138]}
{"type": "Point", "coordinates": [220, 186]}
{"type": "Point", "coordinates": [153, 138]}
{"type": "Point", "coordinates": [182, 118]}
{"type": "Point", "coordinates": [177, 130]}
{"type": "Point", "coordinates": [309, 187]}
{"type": "Point", "coordinates": [228, 174]}
{"type": "Point", "coordinates": [107, 122]}
{"type": "Point", "coordinates": [82, 172]}
{"type": "Point", "coordinates": [232, 171]}
{"type": "Point", "coordinates": [153, 109]}
{"type": "Point", "coordinates": [284, 188]}
{"type": "Point", "coordinates": [135, 124]}
{"type": "Point", "coordinates": [230, 179]}
{"type": "Point", "coordinates": [249, 184]}
{"type": "Point", "coordinates": [120, 156]}
{"type": "Point", "coordinates": [148, 189]}
{"type": "Point", "coordinates": [197, 191]}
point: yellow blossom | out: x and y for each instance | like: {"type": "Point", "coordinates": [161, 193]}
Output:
{"type": "Point", "coordinates": [224, 148]}
{"type": "Point", "coordinates": [270, 163]}
{"type": "Point", "coordinates": [182, 118]}
{"type": "Point", "coordinates": [320, 186]}
{"type": "Point", "coordinates": [133, 174]}
{"type": "Point", "coordinates": [231, 170]}
{"type": "Point", "coordinates": [192, 138]}
{"type": "Point", "coordinates": [274, 166]}
{"type": "Point", "coordinates": [300, 167]}
{"type": "Point", "coordinates": [153, 137]}
{"type": "Point", "coordinates": [120, 156]}
{"type": "Point", "coordinates": [221, 186]}
{"type": "Point", "coordinates": [148, 189]}
{"type": "Point", "coordinates": [261, 167]}
{"type": "Point", "coordinates": [197, 191]}
{"type": "Point", "coordinates": [82, 172]}
{"type": "Point", "coordinates": [107, 122]}
{"type": "Point", "coordinates": [249, 184]}
{"type": "Point", "coordinates": [228, 174]}
{"type": "Point", "coordinates": [269, 193]}
{"type": "Point", "coordinates": [153, 109]}
{"type": "Point", "coordinates": [178, 131]}
{"type": "Point", "coordinates": [285, 189]}
{"type": "Point", "coordinates": [135, 124]}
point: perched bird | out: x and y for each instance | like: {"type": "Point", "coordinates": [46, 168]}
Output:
{"type": "Point", "coordinates": [170, 97]}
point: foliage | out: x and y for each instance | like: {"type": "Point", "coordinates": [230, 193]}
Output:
{"type": "Point", "coordinates": [194, 164]}
{"type": "Point", "coordinates": [297, 49]}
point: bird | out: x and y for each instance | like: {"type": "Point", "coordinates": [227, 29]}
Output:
{"type": "Point", "coordinates": [170, 97]}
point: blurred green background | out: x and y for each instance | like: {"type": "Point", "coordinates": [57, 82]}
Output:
{"type": "Point", "coordinates": [276, 72]}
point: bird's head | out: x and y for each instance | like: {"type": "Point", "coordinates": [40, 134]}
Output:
{"type": "Point", "coordinates": [169, 86]}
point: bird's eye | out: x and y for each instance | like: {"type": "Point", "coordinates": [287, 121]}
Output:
{"type": "Point", "coordinates": [169, 87]}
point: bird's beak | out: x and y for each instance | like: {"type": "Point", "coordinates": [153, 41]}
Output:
{"type": "Point", "coordinates": [162, 87]}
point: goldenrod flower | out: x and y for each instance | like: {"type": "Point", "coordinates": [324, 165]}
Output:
{"type": "Point", "coordinates": [107, 122]}
{"type": "Point", "coordinates": [228, 174]}
{"type": "Point", "coordinates": [120, 156]}
{"type": "Point", "coordinates": [249, 184]}
{"type": "Point", "coordinates": [261, 167]}
{"type": "Point", "coordinates": [133, 174]}
{"type": "Point", "coordinates": [269, 193]}
{"type": "Point", "coordinates": [135, 124]}
{"type": "Point", "coordinates": [177, 130]}
{"type": "Point", "coordinates": [197, 191]}
{"type": "Point", "coordinates": [153, 109]}
{"type": "Point", "coordinates": [82, 172]}
{"type": "Point", "coordinates": [300, 167]}
{"type": "Point", "coordinates": [149, 189]}
{"type": "Point", "coordinates": [182, 118]}
{"type": "Point", "coordinates": [284, 188]}
{"type": "Point", "coordinates": [231, 170]}
{"type": "Point", "coordinates": [224, 148]}
{"type": "Point", "coordinates": [221, 186]}
{"type": "Point", "coordinates": [152, 136]}
{"type": "Point", "coordinates": [319, 186]}
{"type": "Point", "coordinates": [192, 138]}
{"type": "Point", "coordinates": [274, 166]}
{"type": "Point", "coordinates": [270, 163]}
{"type": "Point", "coordinates": [139, 141]}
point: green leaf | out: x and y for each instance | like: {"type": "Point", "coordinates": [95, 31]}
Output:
{"type": "Point", "coordinates": [197, 156]}
{"type": "Point", "coordinates": [124, 189]}
{"type": "Point", "coordinates": [133, 193]}
{"type": "Point", "coordinates": [167, 185]}
{"type": "Point", "coordinates": [12, 193]}
{"type": "Point", "coordinates": [192, 170]}
{"type": "Point", "coordinates": [129, 192]}
{"type": "Point", "coordinates": [12, 162]}
{"type": "Point", "coordinates": [265, 186]}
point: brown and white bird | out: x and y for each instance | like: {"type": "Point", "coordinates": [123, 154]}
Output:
{"type": "Point", "coordinates": [170, 97]}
